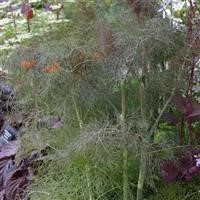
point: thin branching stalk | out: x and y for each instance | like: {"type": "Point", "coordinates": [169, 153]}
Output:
{"type": "Point", "coordinates": [28, 26]}
{"type": "Point", "coordinates": [76, 108]}
{"type": "Point", "coordinates": [123, 103]}
{"type": "Point", "coordinates": [80, 121]}
{"type": "Point", "coordinates": [125, 151]}
{"type": "Point", "coordinates": [154, 126]}
{"type": "Point", "coordinates": [125, 174]}
{"type": "Point", "coordinates": [89, 184]}
{"type": "Point", "coordinates": [57, 14]}
{"type": "Point", "coordinates": [171, 10]}
{"type": "Point", "coordinates": [181, 130]}
{"type": "Point", "coordinates": [143, 155]}
{"type": "Point", "coordinates": [192, 66]}
{"type": "Point", "coordinates": [142, 173]}
{"type": "Point", "coordinates": [13, 18]}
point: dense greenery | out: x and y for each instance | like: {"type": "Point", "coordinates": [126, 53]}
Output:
{"type": "Point", "coordinates": [109, 74]}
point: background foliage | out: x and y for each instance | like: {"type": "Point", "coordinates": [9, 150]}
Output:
{"type": "Point", "coordinates": [107, 70]}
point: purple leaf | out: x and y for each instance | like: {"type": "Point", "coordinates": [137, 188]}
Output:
{"type": "Point", "coordinates": [9, 149]}
{"type": "Point", "coordinates": [16, 184]}
{"type": "Point", "coordinates": [184, 161]}
{"type": "Point", "coordinates": [14, 179]}
{"type": "Point", "coordinates": [168, 171]}
{"type": "Point", "coordinates": [181, 103]}
{"type": "Point", "coordinates": [170, 118]}
{"type": "Point", "coordinates": [184, 169]}
{"type": "Point", "coordinates": [47, 7]}
{"type": "Point", "coordinates": [6, 166]}
{"type": "Point", "coordinates": [190, 173]}
{"type": "Point", "coordinates": [195, 110]}
{"type": "Point", "coordinates": [2, 195]}
{"type": "Point", "coordinates": [25, 8]}
{"type": "Point", "coordinates": [190, 108]}
{"type": "Point", "coordinates": [19, 178]}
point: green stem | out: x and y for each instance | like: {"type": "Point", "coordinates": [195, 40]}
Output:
{"type": "Point", "coordinates": [143, 153]}
{"type": "Point", "coordinates": [88, 182]}
{"type": "Point", "coordinates": [125, 174]}
{"type": "Point", "coordinates": [80, 121]}
{"type": "Point", "coordinates": [142, 173]}
{"type": "Point", "coordinates": [78, 115]}
{"type": "Point", "coordinates": [28, 26]}
{"type": "Point", "coordinates": [125, 151]}
{"type": "Point", "coordinates": [143, 156]}
{"type": "Point", "coordinates": [171, 10]}
{"type": "Point", "coordinates": [123, 104]}
{"type": "Point", "coordinates": [57, 14]}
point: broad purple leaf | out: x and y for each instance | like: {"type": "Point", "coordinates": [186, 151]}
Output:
{"type": "Point", "coordinates": [2, 195]}
{"type": "Point", "coordinates": [170, 118]}
{"type": "Point", "coordinates": [187, 177]}
{"type": "Point", "coordinates": [9, 149]}
{"type": "Point", "coordinates": [195, 110]}
{"type": "Point", "coordinates": [16, 184]}
{"type": "Point", "coordinates": [190, 173]}
{"type": "Point", "coordinates": [14, 179]}
{"type": "Point", "coordinates": [169, 171]}
{"type": "Point", "coordinates": [25, 8]}
{"type": "Point", "coordinates": [185, 161]}
{"type": "Point", "coordinates": [17, 180]}
{"type": "Point", "coordinates": [193, 170]}
{"type": "Point", "coordinates": [6, 166]}
{"type": "Point", "coordinates": [184, 169]}
{"type": "Point", "coordinates": [181, 103]}
{"type": "Point", "coordinates": [190, 108]}
{"type": "Point", "coordinates": [47, 7]}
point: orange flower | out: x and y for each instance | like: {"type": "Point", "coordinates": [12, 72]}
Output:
{"type": "Point", "coordinates": [51, 68]}
{"type": "Point", "coordinates": [29, 14]}
{"type": "Point", "coordinates": [96, 56]}
{"type": "Point", "coordinates": [27, 64]}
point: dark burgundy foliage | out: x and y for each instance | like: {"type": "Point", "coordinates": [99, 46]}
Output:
{"type": "Point", "coordinates": [2, 195]}
{"type": "Point", "coordinates": [183, 169]}
{"type": "Point", "coordinates": [189, 108]}
{"type": "Point", "coordinates": [47, 7]}
{"type": "Point", "coordinates": [180, 103]}
{"type": "Point", "coordinates": [186, 106]}
{"type": "Point", "coordinates": [195, 111]}
{"type": "Point", "coordinates": [169, 171]}
{"type": "Point", "coordinates": [186, 166]}
{"type": "Point", "coordinates": [17, 182]}
{"type": "Point", "coordinates": [14, 178]}
{"type": "Point", "coordinates": [9, 150]}
{"type": "Point", "coordinates": [136, 6]}
{"type": "Point", "coordinates": [185, 161]}
{"type": "Point", "coordinates": [25, 7]}
{"type": "Point", "coordinates": [170, 118]}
